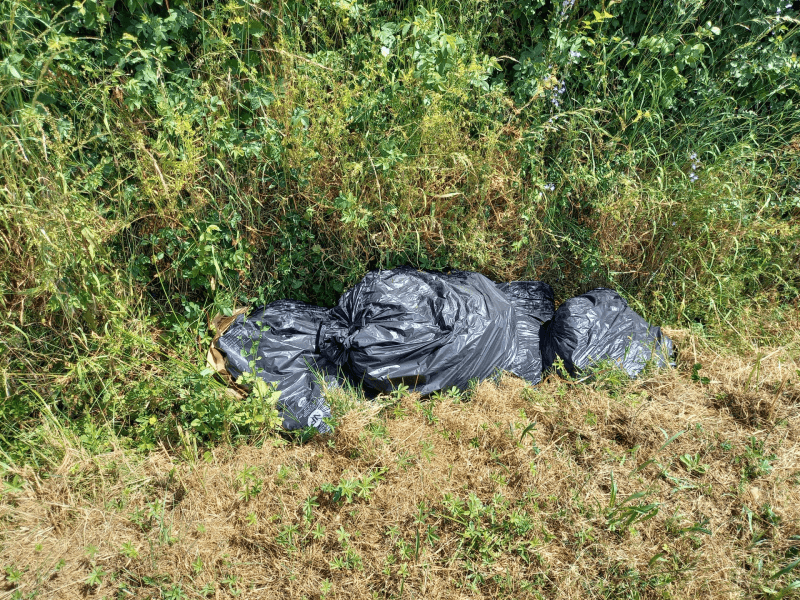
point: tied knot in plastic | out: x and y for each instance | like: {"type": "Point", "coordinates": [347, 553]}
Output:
{"type": "Point", "coordinates": [335, 342]}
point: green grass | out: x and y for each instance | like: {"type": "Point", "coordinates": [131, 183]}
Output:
{"type": "Point", "coordinates": [164, 163]}
{"type": "Point", "coordinates": [614, 488]}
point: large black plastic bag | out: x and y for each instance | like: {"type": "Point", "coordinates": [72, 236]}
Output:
{"type": "Point", "coordinates": [428, 331]}
{"type": "Point", "coordinates": [534, 304]}
{"type": "Point", "coordinates": [599, 325]}
{"type": "Point", "coordinates": [282, 339]}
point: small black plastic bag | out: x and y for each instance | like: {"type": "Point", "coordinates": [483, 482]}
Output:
{"type": "Point", "coordinates": [598, 326]}
{"type": "Point", "coordinates": [280, 344]}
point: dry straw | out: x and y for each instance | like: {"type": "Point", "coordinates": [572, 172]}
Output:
{"type": "Point", "coordinates": [512, 492]}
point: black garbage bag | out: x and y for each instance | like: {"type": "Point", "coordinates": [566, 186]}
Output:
{"type": "Point", "coordinates": [534, 305]}
{"type": "Point", "coordinates": [532, 298]}
{"type": "Point", "coordinates": [280, 344]}
{"type": "Point", "coordinates": [428, 331]}
{"type": "Point", "coordinates": [599, 325]}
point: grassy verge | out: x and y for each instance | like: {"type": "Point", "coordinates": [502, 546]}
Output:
{"type": "Point", "coordinates": [681, 484]}
{"type": "Point", "coordinates": [162, 162]}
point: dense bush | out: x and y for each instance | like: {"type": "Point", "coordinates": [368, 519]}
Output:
{"type": "Point", "coordinates": [164, 161]}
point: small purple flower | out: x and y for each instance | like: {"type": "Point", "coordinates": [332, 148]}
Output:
{"type": "Point", "coordinates": [550, 187]}
{"type": "Point", "coordinates": [574, 54]}
{"type": "Point", "coordinates": [695, 165]}
{"type": "Point", "coordinates": [556, 92]}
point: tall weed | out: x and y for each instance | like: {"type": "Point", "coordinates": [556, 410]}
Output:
{"type": "Point", "coordinates": [166, 161]}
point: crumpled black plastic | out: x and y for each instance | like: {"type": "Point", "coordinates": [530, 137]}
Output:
{"type": "Point", "coordinates": [425, 330]}
{"type": "Point", "coordinates": [534, 305]}
{"type": "Point", "coordinates": [431, 331]}
{"type": "Point", "coordinates": [280, 343]}
{"type": "Point", "coordinates": [598, 326]}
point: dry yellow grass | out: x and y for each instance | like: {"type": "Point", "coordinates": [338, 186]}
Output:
{"type": "Point", "coordinates": [535, 517]}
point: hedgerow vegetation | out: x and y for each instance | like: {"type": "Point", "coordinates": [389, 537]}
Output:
{"type": "Point", "coordinates": [167, 161]}
{"type": "Point", "coordinates": [164, 161]}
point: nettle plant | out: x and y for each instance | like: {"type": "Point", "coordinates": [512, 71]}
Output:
{"type": "Point", "coordinates": [198, 410]}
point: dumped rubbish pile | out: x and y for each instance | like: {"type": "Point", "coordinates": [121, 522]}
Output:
{"type": "Point", "coordinates": [430, 331]}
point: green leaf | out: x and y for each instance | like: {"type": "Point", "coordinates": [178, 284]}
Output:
{"type": "Point", "coordinates": [786, 569]}
{"type": "Point", "coordinates": [600, 17]}
{"type": "Point", "coordinates": [528, 430]}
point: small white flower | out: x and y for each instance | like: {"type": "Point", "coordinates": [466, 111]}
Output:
{"type": "Point", "coordinates": [385, 51]}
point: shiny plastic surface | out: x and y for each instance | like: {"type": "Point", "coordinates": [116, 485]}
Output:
{"type": "Point", "coordinates": [431, 331]}
{"type": "Point", "coordinates": [428, 331]}
{"type": "Point", "coordinates": [534, 305]}
{"type": "Point", "coordinates": [280, 341]}
{"type": "Point", "coordinates": [597, 326]}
